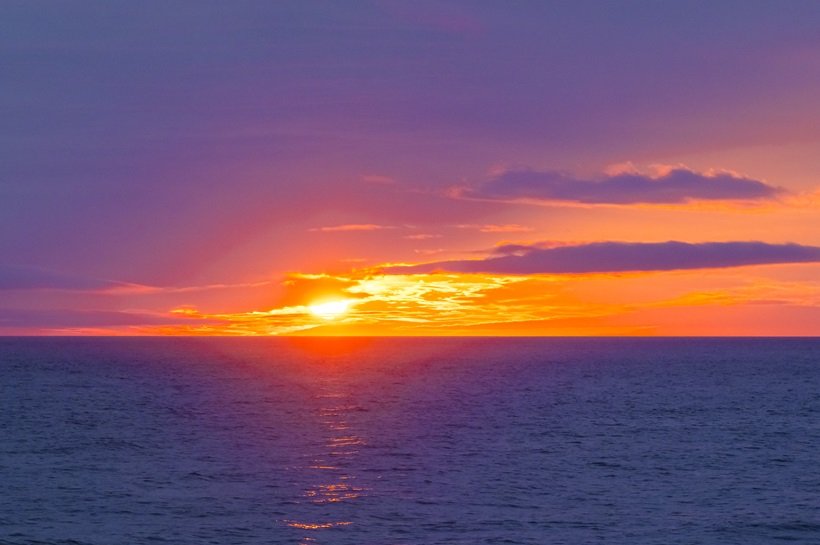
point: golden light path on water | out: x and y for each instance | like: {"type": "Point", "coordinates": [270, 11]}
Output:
{"type": "Point", "coordinates": [334, 481]}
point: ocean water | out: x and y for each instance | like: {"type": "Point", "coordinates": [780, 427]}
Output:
{"type": "Point", "coordinates": [409, 441]}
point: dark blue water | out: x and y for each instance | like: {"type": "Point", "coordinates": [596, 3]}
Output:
{"type": "Point", "coordinates": [409, 441]}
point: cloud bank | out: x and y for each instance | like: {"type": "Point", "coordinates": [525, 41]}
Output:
{"type": "Point", "coordinates": [603, 257]}
{"type": "Point", "coordinates": [670, 186]}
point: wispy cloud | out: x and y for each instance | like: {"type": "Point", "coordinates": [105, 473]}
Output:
{"type": "Point", "coordinates": [666, 185]}
{"type": "Point", "coordinates": [601, 257]}
{"type": "Point", "coordinates": [422, 236]}
{"type": "Point", "coordinates": [14, 277]}
{"type": "Point", "coordinates": [352, 227]}
{"type": "Point", "coordinates": [69, 318]}
{"type": "Point", "coordinates": [212, 287]}
{"type": "Point", "coordinates": [493, 228]}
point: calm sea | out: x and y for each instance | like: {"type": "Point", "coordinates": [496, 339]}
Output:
{"type": "Point", "coordinates": [409, 441]}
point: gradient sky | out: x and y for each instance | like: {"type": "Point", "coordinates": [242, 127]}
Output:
{"type": "Point", "coordinates": [528, 168]}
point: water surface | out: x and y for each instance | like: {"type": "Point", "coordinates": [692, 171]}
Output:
{"type": "Point", "coordinates": [409, 441]}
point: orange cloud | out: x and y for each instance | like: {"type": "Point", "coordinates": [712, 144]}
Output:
{"type": "Point", "coordinates": [636, 303]}
{"type": "Point", "coordinates": [422, 236]}
{"type": "Point", "coordinates": [366, 302]}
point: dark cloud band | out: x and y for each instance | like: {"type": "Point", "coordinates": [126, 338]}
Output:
{"type": "Point", "coordinates": [600, 257]}
{"type": "Point", "coordinates": [679, 185]}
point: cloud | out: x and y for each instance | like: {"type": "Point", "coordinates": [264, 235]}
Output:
{"type": "Point", "coordinates": [600, 257]}
{"type": "Point", "coordinates": [353, 227]}
{"type": "Point", "coordinates": [33, 278]}
{"type": "Point", "coordinates": [669, 185]}
{"type": "Point", "coordinates": [492, 228]}
{"type": "Point", "coordinates": [68, 318]}
{"type": "Point", "coordinates": [422, 236]}
{"type": "Point", "coordinates": [301, 289]}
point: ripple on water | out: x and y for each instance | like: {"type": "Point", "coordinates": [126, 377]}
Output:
{"type": "Point", "coordinates": [414, 441]}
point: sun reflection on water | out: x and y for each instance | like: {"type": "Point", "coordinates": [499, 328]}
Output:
{"type": "Point", "coordinates": [315, 526]}
{"type": "Point", "coordinates": [334, 482]}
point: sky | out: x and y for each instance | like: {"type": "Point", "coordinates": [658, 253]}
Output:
{"type": "Point", "coordinates": [410, 168]}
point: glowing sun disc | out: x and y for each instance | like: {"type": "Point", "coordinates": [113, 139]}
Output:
{"type": "Point", "coordinates": [329, 310]}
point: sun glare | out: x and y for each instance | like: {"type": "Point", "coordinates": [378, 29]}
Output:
{"type": "Point", "coordinates": [329, 310]}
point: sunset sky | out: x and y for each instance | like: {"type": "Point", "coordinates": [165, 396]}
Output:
{"type": "Point", "coordinates": [410, 168]}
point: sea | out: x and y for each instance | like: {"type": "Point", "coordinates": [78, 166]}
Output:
{"type": "Point", "coordinates": [388, 441]}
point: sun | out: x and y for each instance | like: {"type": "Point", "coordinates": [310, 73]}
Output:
{"type": "Point", "coordinates": [329, 310]}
